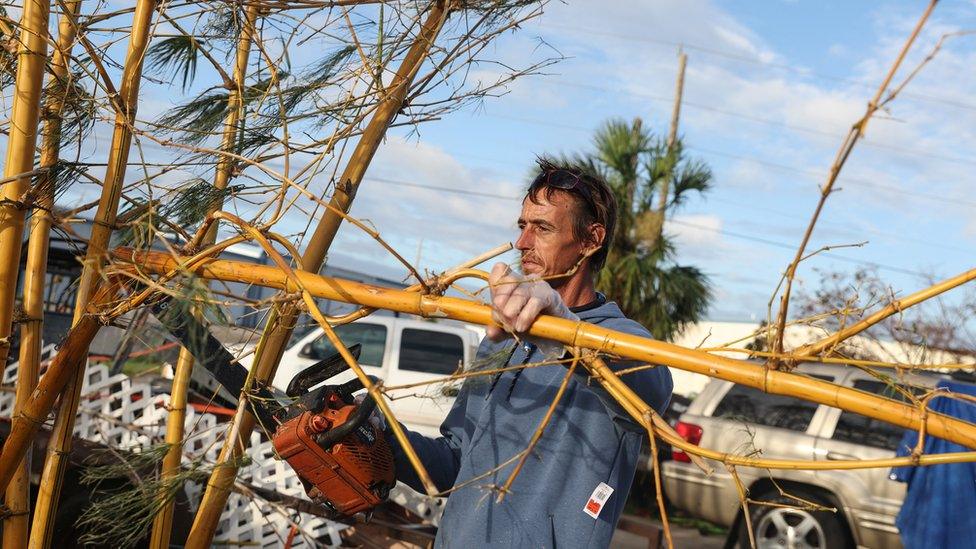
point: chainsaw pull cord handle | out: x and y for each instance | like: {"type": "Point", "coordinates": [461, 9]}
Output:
{"type": "Point", "coordinates": [358, 418]}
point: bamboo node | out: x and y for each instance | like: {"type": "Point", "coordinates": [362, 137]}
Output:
{"type": "Point", "coordinates": [15, 204]}
{"type": "Point", "coordinates": [101, 223]}
{"type": "Point", "coordinates": [6, 512]}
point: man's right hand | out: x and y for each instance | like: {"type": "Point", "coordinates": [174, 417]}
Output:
{"type": "Point", "coordinates": [517, 301]}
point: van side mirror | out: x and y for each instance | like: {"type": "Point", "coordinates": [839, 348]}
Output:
{"type": "Point", "coordinates": [307, 351]}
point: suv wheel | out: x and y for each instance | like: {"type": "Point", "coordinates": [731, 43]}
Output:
{"type": "Point", "coordinates": [792, 528]}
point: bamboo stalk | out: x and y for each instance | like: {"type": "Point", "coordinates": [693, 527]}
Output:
{"type": "Point", "coordinates": [163, 523]}
{"type": "Point", "coordinates": [70, 358]}
{"type": "Point", "coordinates": [846, 147]}
{"type": "Point", "coordinates": [443, 280]}
{"type": "Point", "coordinates": [15, 527]}
{"type": "Point", "coordinates": [172, 461]}
{"type": "Point", "coordinates": [31, 56]}
{"type": "Point", "coordinates": [282, 318]}
{"type": "Point", "coordinates": [59, 446]}
{"type": "Point", "coordinates": [892, 308]}
{"type": "Point", "coordinates": [578, 334]}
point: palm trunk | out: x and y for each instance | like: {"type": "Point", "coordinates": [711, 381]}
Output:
{"type": "Point", "coordinates": [582, 335]}
{"type": "Point", "coordinates": [59, 445]}
{"type": "Point", "coordinates": [163, 524]}
{"type": "Point", "coordinates": [15, 528]}
{"type": "Point", "coordinates": [31, 56]}
{"type": "Point", "coordinates": [281, 320]}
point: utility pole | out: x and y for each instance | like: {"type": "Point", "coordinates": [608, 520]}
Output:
{"type": "Point", "coordinates": [679, 87]}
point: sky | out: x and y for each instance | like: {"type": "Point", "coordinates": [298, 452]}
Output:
{"type": "Point", "coordinates": [771, 89]}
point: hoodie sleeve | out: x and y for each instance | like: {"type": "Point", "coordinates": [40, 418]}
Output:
{"type": "Point", "coordinates": [441, 456]}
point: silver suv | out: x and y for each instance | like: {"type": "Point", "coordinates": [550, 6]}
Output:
{"type": "Point", "coordinates": [743, 420]}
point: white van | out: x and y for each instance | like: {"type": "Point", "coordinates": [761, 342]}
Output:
{"type": "Point", "coordinates": [399, 351]}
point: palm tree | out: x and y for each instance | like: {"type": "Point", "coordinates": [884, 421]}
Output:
{"type": "Point", "coordinates": [650, 180]}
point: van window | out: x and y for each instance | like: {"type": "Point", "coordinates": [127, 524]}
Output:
{"type": "Point", "coordinates": [431, 352]}
{"type": "Point", "coordinates": [371, 336]}
{"type": "Point", "coordinates": [751, 405]}
{"type": "Point", "coordinates": [858, 429]}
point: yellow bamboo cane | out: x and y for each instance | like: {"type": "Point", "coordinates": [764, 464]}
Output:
{"type": "Point", "coordinates": [59, 445]}
{"type": "Point", "coordinates": [34, 412]}
{"type": "Point", "coordinates": [15, 528]}
{"type": "Point", "coordinates": [163, 523]}
{"type": "Point", "coordinates": [281, 319]}
{"type": "Point", "coordinates": [31, 56]}
{"type": "Point", "coordinates": [892, 308]}
{"type": "Point", "coordinates": [581, 335]}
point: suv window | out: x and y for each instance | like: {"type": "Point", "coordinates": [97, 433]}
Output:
{"type": "Point", "coordinates": [859, 429]}
{"type": "Point", "coordinates": [751, 405]}
{"type": "Point", "coordinates": [431, 352]}
{"type": "Point", "coordinates": [371, 336]}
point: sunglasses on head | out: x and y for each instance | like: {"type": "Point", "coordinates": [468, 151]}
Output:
{"type": "Point", "coordinates": [564, 180]}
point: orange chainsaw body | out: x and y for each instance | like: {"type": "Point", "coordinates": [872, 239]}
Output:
{"type": "Point", "coordinates": [351, 475]}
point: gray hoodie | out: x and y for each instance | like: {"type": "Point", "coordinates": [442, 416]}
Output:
{"type": "Point", "coordinates": [589, 442]}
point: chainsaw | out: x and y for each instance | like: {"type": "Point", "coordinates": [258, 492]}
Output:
{"type": "Point", "coordinates": [343, 460]}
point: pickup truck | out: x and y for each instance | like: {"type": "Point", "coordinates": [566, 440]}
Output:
{"type": "Point", "coordinates": [400, 351]}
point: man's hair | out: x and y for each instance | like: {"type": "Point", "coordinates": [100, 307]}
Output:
{"type": "Point", "coordinates": [595, 201]}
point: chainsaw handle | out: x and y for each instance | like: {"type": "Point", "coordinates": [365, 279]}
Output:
{"type": "Point", "coordinates": [322, 370]}
{"type": "Point", "coordinates": [356, 419]}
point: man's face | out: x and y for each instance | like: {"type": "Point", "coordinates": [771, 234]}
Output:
{"type": "Point", "coordinates": [547, 242]}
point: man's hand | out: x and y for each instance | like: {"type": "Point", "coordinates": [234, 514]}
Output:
{"type": "Point", "coordinates": [376, 418]}
{"type": "Point", "coordinates": [517, 301]}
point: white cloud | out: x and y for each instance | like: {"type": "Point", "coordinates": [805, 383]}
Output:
{"type": "Point", "coordinates": [453, 226]}
{"type": "Point", "coordinates": [695, 231]}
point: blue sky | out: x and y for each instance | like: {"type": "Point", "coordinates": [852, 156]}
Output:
{"type": "Point", "coordinates": [771, 89]}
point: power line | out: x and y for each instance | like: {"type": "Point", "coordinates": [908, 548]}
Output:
{"type": "Point", "coordinates": [759, 62]}
{"type": "Point", "coordinates": [752, 207]}
{"type": "Point", "coordinates": [770, 122]}
{"type": "Point", "coordinates": [849, 231]}
{"type": "Point", "coordinates": [723, 232]}
{"type": "Point", "coordinates": [792, 247]}
{"type": "Point", "coordinates": [843, 179]}
{"type": "Point", "coordinates": [442, 189]}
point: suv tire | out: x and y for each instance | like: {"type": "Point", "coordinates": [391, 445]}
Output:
{"type": "Point", "coordinates": [791, 527]}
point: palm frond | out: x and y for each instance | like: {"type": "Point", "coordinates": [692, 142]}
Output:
{"type": "Point", "coordinates": [325, 69]}
{"type": "Point", "coordinates": [224, 21]}
{"type": "Point", "coordinates": [691, 176]}
{"type": "Point", "coordinates": [176, 54]}
{"type": "Point", "coordinates": [197, 120]}
{"type": "Point", "coordinates": [619, 145]}
{"type": "Point", "coordinates": [193, 200]}
{"type": "Point", "coordinates": [77, 110]}
{"type": "Point", "coordinates": [136, 493]}
{"type": "Point", "coordinates": [54, 181]}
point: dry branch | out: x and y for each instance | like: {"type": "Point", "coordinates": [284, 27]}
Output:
{"type": "Point", "coordinates": [847, 146]}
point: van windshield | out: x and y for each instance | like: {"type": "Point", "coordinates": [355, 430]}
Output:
{"type": "Point", "coordinates": [371, 336]}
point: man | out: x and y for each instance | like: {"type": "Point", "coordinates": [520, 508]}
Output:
{"type": "Point", "coordinates": [571, 491]}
